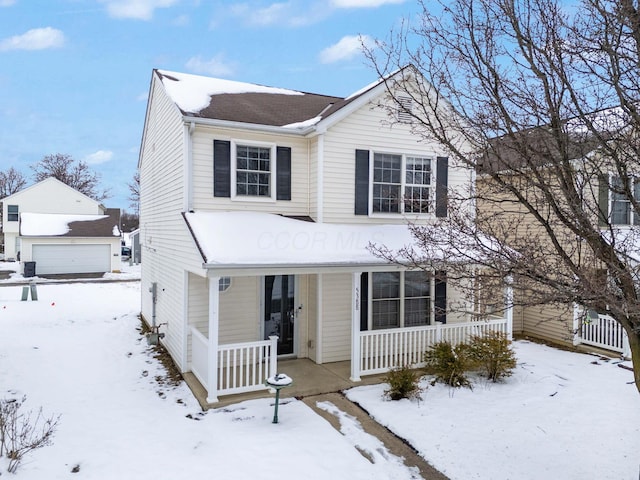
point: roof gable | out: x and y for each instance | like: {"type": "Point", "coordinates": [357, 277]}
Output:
{"type": "Point", "coordinates": [49, 182]}
{"type": "Point", "coordinates": [214, 99]}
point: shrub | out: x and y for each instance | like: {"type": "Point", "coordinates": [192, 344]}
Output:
{"type": "Point", "coordinates": [493, 354]}
{"type": "Point", "coordinates": [449, 364]}
{"type": "Point", "coordinates": [21, 432]}
{"type": "Point", "coordinates": [403, 383]}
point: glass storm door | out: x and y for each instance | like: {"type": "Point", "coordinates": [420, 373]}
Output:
{"type": "Point", "coordinates": [279, 311]}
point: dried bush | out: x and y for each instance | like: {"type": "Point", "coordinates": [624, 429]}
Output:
{"type": "Point", "coordinates": [403, 383]}
{"type": "Point", "coordinates": [493, 354]}
{"type": "Point", "coordinates": [449, 364]}
{"type": "Point", "coordinates": [21, 432]}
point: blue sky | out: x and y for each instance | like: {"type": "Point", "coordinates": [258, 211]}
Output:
{"type": "Point", "coordinates": [74, 74]}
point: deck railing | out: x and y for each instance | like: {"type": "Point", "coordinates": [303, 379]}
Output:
{"type": "Point", "coordinates": [242, 367]}
{"type": "Point", "coordinates": [604, 332]}
{"type": "Point", "coordinates": [383, 350]}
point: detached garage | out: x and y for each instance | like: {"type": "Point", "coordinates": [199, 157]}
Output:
{"type": "Point", "coordinates": [68, 244]}
{"type": "Point", "coordinates": [71, 258]}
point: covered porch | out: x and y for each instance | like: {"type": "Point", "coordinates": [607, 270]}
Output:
{"type": "Point", "coordinates": [231, 346]}
{"type": "Point", "coordinates": [309, 378]}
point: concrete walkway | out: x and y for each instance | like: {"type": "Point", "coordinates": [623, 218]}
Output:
{"type": "Point", "coordinates": [392, 443]}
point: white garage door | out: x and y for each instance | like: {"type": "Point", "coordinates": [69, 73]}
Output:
{"type": "Point", "coordinates": [71, 258]}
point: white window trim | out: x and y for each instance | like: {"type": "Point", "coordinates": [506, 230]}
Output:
{"type": "Point", "coordinates": [432, 302]}
{"type": "Point", "coordinates": [403, 183]}
{"type": "Point", "coordinates": [272, 174]}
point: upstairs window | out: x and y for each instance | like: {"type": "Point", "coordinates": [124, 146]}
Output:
{"type": "Point", "coordinates": [12, 213]}
{"type": "Point", "coordinates": [621, 210]}
{"type": "Point", "coordinates": [402, 184]}
{"type": "Point", "coordinates": [253, 171]}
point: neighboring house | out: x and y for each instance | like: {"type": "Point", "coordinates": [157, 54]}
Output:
{"type": "Point", "coordinates": [61, 229]}
{"type": "Point", "coordinates": [257, 208]}
{"type": "Point", "coordinates": [568, 324]}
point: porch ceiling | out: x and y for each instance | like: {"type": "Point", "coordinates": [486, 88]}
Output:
{"type": "Point", "coordinates": [242, 241]}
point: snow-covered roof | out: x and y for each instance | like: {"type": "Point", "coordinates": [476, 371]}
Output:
{"type": "Point", "coordinates": [192, 93]}
{"type": "Point", "coordinates": [71, 225]}
{"type": "Point", "coordinates": [251, 239]}
{"type": "Point", "coordinates": [238, 102]}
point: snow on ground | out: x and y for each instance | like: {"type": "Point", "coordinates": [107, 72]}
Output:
{"type": "Point", "coordinates": [127, 272]}
{"type": "Point", "coordinates": [77, 353]}
{"type": "Point", "coordinates": [562, 415]}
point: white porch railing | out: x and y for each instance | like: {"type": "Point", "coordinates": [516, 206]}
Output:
{"type": "Point", "coordinates": [242, 367]}
{"type": "Point", "coordinates": [383, 350]}
{"type": "Point", "coordinates": [604, 332]}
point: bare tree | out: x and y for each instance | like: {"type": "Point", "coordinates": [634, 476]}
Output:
{"type": "Point", "coordinates": [11, 181]}
{"type": "Point", "coordinates": [542, 103]}
{"type": "Point", "coordinates": [76, 174]}
{"type": "Point", "coordinates": [134, 193]}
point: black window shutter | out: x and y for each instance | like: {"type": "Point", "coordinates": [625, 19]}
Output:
{"type": "Point", "coordinates": [442, 180]}
{"type": "Point", "coordinates": [364, 303]}
{"type": "Point", "coordinates": [221, 168]}
{"type": "Point", "coordinates": [283, 173]}
{"type": "Point", "coordinates": [440, 301]}
{"type": "Point", "coordinates": [362, 183]}
{"type": "Point", "coordinates": [603, 200]}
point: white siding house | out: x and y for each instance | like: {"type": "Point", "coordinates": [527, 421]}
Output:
{"type": "Point", "coordinates": [61, 229]}
{"type": "Point", "coordinates": [257, 209]}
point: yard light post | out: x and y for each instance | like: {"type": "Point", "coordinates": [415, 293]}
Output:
{"type": "Point", "coordinates": [278, 382]}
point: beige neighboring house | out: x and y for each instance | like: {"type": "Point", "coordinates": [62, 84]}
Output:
{"type": "Point", "coordinates": [257, 208]}
{"type": "Point", "coordinates": [60, 229]}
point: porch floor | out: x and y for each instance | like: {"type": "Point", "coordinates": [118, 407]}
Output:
{"type": "Point", "coordinates": [308, 377]}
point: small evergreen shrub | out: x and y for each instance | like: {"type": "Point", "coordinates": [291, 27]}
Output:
{"type": "Point", "coordinates": [493, 355]}
{"type": "Point", "coordinates": [449, 364]}
{"type": "Point", "coordinates": [403, 383]}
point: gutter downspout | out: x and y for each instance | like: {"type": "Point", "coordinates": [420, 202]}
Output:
{"type": "Point", "coordinates": [188, 167]}
{"type": "Point", "coordinates": [320, 180]}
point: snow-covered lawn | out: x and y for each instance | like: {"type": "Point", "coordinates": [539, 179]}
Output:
{"type": "Point", "coordinates": [562, 415]}
{"type": "Point", "coordinates": [77, 352]}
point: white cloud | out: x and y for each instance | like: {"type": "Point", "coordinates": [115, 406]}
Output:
{"type": "Point", "coordinates": [101, 156]}
{"type": "Point", "coordinates": [291, 14]}
{"type": "Point", "coordinates": [363, 3]}
{"type": "Point", "coordinates": [137, 9]}
{"type": "Point", "coordinates": [347, 48]}
{"type": "Point", "coordinates": [7, 3]}
{"type": "Point", "coordinates": [215, 66]}
{"type": "Point", "coordinates": [35, 39]}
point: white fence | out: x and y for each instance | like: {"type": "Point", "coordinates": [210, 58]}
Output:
{"type": "Point", "coordinates": [604, 332]}
{"type": "Point", "coordinates": [382, 350]}
{"type": "Point", "coordinates": [242, 367]}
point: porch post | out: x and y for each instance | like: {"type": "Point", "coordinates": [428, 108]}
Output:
{"type": "Point", "coordinates": [508, 301]}
{"type": "Point", "coordinates": [576, 324]}
{"type": "Point", "coordinates": [212, 351]}
{"type": "Point", "coordinates": [355, 327]}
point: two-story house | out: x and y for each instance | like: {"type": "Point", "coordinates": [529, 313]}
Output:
{"type": "Point", "coordinates": [60, 229]}
{"type": "Point", "coordinates": [258, 207]}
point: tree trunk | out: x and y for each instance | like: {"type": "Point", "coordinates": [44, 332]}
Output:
{"type": "Point", "coordinates": [634, 344]}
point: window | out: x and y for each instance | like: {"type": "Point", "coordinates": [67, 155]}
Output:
{"type": "Point", "coordinates": [402, 184]}
{"type": "Point", "coordinates": [253, 170]}
{"type": "Point", "coordinates": [12, 213]}
{"type": "Point", "coordinates": [401, 299]}
{"type": "Point", "coordinates": [621, 209]}
{"type": "Point", "coordinates": [224, 283]}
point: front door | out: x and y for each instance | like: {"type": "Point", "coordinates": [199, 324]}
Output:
{"type": "Point", "coordinates": [279, 311]}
